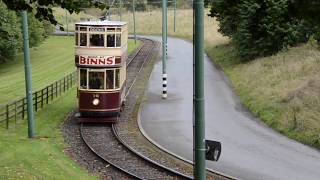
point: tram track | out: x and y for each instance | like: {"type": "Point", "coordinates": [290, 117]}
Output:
{"type": "Point", "coordinates": [105, 142]}
{"type": "Point", "coordinates": [113, 144]}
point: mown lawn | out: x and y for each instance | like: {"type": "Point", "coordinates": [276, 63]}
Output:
{"type": "Point", "coordinates": [52, 60]}
{"type": "Point", "coordinates": [42, 157]}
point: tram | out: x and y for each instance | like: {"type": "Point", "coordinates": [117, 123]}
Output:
{"type": "Point", "coordinates": [101, 57]}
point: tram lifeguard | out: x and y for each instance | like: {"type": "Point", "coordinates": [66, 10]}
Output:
{"type": "Point", "coordinates": [100, 57]}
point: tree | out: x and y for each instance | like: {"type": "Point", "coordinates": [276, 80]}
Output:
{"type": "Point", "coordinates": [43, 8]}
{"type": "Point", "coordinates": [260, 28]}
{"type": "Point", "coordinates": [10, 34]}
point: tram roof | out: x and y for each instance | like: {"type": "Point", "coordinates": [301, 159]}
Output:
{"type": "Point", "coordinates": [101, 23]}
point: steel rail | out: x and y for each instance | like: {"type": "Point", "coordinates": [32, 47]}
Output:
{"type": "Point", "coordinates": [104, 159]}
{"type": "Point", "coordinates": [174, 172]}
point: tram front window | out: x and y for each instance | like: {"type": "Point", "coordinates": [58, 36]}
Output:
{"type": "Point", "coordinates": [96, 80]}
{"type": "Point", "coordinates": [83, 79]}
{"type": "Point", "coordinates": [83, 39]}
{"type": "Point", "coordinates": [110, 79]}
{"type": "Point", "coordinates": [97, 40]}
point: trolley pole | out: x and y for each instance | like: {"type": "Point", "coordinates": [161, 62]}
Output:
{"type": "Point", "coordinates": [164, 48]}
{"type": "Point", "coordinates": [198, 99]}
{"type": "Point", "coordinates": [27, 70]}
{"type": "Point", "coordinates": [174, 15]}
{"type": "Point", "coordinates": [67, 23]}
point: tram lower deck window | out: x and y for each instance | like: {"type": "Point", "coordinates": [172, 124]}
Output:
{"type": "Point", "coordinates": [110, 79]}
{"type": "Point", "coordinates": [96, 80]}
{"type": "Point", "coordinates": [83, 79]}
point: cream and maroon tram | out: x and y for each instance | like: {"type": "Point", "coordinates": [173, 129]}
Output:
{"type": "Point", "coordinates": [100, 57]}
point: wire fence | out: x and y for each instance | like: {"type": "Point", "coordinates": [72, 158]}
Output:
{"type": "Point", "coordinates": [17, 109]}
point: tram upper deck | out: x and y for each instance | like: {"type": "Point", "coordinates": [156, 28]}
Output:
{"type": "Point", "coordinates": [104, 38]}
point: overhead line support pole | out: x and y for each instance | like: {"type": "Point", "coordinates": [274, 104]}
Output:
{"type": "Point", "coordinates": [120, 9]}
{"type": "Point", "coordinates": [164, 49]}
{"type": "Point", "coordinates": [134, 21]}
{"type": "Point", "coordinates": [27, 69]}
{"type": "Point", "coordinates": [67, 23]}
{"type": "Point", "coordinates": [199, 132]}
{"type": "Point", "coordinates": [174, 15]}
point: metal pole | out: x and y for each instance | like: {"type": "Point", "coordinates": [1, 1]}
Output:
{"type": "Point", "coordinates": [120, 9]}
{"type": "Point", "coordinates": [200, 163]}
{"type": "Point", "coordinates": [67, 23]}
{"type": "Point", "coordinates": [27, 69]}
{"type": "Point", "coordinates": [174, 15]}
{"type": "Point", "coordinates": [134, 21]}
{"type": "Point", "coordinates": [164, 48]}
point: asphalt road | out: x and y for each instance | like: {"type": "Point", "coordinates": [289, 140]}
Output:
{"type": "Point", "coordinates": [250, 150]}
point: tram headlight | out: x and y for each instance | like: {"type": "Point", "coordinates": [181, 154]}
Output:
{"type": "Point", "coordinates": [95, 101]}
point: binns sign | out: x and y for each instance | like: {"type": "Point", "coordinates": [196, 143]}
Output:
{"type": "Point", "coordinates": [96, 60]}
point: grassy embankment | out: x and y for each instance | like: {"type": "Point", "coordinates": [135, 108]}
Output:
{"type": "Point", "coordinates": [50, 62]}
{"type": "Point", "coordinates": [282, 90]}
{"type": "Point", "coordinates": [42, 157]}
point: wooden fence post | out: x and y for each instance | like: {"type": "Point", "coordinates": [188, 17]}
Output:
{"type": "Point", "coordinates": [47, 95]}
{"type": "Point", "coordinates": [23, 109]}
{"type": "Point", "coordinates": [56, 88]}
{"type": "Point", "coordinates": [51, 92]}
{"type": "Point", "coordinates": [42, 98]}
{"type": "Point", "coordinates": [7, 116]}
{"type": "Point", "coordinates": [15, 112]}
{"type": "Point", "coordinates": [36, 101]}
{"type": "Point", "coordinates": [64, 84]}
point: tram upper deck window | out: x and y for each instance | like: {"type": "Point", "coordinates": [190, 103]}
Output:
{"type": "Point", "coordinates": [83, 39]}
{"type": "Point", "coordinates": [83, 79]}
{"type": "Point", "coordinates": [77, 38]}
{"type": "Point", "coordinates": [113, 37]}
{"type": "Point", "coordinates": [110, 40]}
{"type": "Point", "coordinates": [118, 40]}
{"type": "Point", "coordinates": [97, 40]}
{"type": "Point", "coordinates": [96, 80]}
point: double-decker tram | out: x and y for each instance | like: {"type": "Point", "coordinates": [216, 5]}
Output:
{"type": "Point", "coordinates": [100, 57]}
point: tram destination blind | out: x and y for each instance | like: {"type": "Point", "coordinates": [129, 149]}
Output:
{"type": "Point", "coordinates": [96, 29]}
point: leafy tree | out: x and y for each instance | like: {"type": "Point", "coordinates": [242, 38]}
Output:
{"type": "Point", "coordinates": [10, 34]}
{"type": "Point", "coordinates": [43, 8]}
{"type": "Point", "coordinates": [259, 28]}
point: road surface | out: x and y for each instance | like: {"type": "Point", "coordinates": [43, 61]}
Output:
{"type": "Point", "coordinates": [250, 150]}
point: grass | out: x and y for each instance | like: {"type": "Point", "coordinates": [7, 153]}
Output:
{"type": "Point", "coordinates": [52, 60]}
{"type": "Point", "coordinates": [282, 90]}
{"type": "Point", "coordinates": [42, 157]}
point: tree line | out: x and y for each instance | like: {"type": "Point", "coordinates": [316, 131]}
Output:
{"type": "Point", "coordinates": [264, 27]}
{"type": "Point", "coordinates": [11, 32]}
